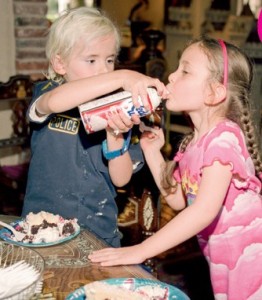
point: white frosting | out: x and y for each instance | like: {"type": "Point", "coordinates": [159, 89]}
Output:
{"type": "Point", "coordinates": [47, 235]}
{"type": "Point", "coordinates": [37, 219]}
{"type": "Point", "coordinates": [101, 291]}
{"type": "Point", "coordinates": [34, 219]}
{"type": "Point", "coordinates": [50, 234]}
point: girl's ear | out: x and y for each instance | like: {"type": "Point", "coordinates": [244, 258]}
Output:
{"type": "Point", "coordinates": [58, 65]}
{"type": "Point", "coordinates": [219, 94]}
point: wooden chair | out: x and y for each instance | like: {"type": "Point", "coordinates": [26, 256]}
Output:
{"type": "Point", "coordinates": [14, 96]}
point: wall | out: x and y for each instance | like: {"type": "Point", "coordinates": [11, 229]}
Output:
{"type": "Point", "coordinates": [188, 23]}
{"type": "Point", "coordinates": [31, 26]}
{"type": "Point", "coordinates": [119, 11]}
{"type": "Point", "coordinates": [7, 48]}
{"type": "Point", "coordinates": [24, 37]}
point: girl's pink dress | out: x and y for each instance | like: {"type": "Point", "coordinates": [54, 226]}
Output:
{"type": "Point", "coordinates": [232, 243]}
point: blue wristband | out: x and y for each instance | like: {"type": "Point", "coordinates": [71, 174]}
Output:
{"type": "Point", "coordinates": [116, 153]}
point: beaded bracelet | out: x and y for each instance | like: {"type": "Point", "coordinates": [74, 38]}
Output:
{"type": "Point", "coordinates": [116, 153]}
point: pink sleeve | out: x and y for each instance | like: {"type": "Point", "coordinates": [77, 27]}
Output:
{"type": "Point", "coordinates": [177, 174]}
{"type": "Point", "coordinates": [228, 147]}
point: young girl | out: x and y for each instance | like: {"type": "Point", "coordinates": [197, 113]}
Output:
{"type": "Point", "coordinates": [71, 174]}
{"type": "Point", "coordinates": [215, 178]}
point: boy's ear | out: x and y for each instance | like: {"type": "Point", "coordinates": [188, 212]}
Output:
{"type": "Point", "coordinates": [58, 65]}
{"type": "Point", "coordinates": [219, 94]}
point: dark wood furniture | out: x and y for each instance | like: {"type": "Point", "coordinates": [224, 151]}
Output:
{"type": "Point", "coordinates": [14, 96]}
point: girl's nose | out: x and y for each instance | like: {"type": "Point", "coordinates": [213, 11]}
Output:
{"type": "Point", "coordinates": [171, 77]}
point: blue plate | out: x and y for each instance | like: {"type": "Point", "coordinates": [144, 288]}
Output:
{"type": "Point", "coordinates": [132, 284]}
{"type": "Point", "coordinates": [6, 234]}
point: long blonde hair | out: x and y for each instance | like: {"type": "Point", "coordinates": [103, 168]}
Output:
{"type": "Point", "coordinates": [239, 109]}
{"type": "Point", "coordinates": [70, 26]}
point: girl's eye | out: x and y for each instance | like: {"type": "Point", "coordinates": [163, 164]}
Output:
{"type": "Point", "coordinates": [91, 61]}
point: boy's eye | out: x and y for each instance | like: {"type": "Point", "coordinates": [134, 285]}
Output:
{"type": "Point", "coordinates": [111, 61]}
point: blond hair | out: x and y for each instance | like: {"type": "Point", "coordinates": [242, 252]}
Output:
{"type": "Point", "coordinates": [70, 27]}
{"type": "Point", "coordinates": [239, 108]}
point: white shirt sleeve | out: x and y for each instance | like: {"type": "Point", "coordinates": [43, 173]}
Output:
{"type": "Point", "coordinates": [33, 114]}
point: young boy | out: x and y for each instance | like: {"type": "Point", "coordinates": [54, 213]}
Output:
{"type": "Point", "coordinates": [69, 173]}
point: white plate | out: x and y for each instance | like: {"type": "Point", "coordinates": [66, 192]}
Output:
{"type": "Point", "coordinates": [6, 234]}
{"type": "Point", "coordinates": [133, 284]}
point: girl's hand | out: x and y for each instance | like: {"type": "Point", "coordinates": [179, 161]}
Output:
{"type": "Point", "coordinates": [152, 140]}
{"type": "Point", "coordinates": [118, 256]}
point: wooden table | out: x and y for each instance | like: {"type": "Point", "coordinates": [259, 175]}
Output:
{"type": "Point", "coordinates": [67, 266]}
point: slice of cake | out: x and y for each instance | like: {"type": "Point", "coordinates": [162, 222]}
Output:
{"type": "Point", "coordinates": [45, 227]}
{"type": "Point", "coordinates": [103, 291]}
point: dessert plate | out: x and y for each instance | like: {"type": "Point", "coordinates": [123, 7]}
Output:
{"type": "Point", "coordinates": [137, 284]}
{"type": "Point", "coordinates": [6, 235]}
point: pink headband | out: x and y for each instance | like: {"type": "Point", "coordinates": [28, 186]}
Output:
{"type": "Point", "coordinates": [225, 57]}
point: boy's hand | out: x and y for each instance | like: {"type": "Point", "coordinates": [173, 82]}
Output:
{"type": "Point", "coordinates": [138, 83]}
{"type": "Point", "coordinates": [119, 122]}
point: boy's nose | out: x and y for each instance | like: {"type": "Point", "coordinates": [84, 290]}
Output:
{"type": "Point", "coordinates": [103, 68]}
